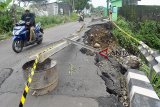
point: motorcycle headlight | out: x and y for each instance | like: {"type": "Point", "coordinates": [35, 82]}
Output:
{"type": "Point", "coordinates": [16, 32]}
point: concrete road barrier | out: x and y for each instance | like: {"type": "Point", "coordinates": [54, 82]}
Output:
{"type": "Point", "coordinates": [153, 57]}
{"type": "Point", "coordinates": [140, 90]}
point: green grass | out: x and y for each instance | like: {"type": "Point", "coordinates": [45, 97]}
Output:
{"type": "Point", "coordinates": [5, 36]}
{"type": "Point", "coordinates": [144, 68]}
{"type": "Point", "coordinates": [50, 21]}
{"type": "Point", "coordinates": [73, 17]}
{"type": "Point", "coordinates": [155, 79]}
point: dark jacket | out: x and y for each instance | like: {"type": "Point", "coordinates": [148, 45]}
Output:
{"type": "Point", "coordinates": [29, 17]}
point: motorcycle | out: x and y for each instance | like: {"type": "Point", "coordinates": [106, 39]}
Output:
{"type": "Point", "coordinates": [21, 36]}
{"type": "Point", "coordinates": [81, 18]}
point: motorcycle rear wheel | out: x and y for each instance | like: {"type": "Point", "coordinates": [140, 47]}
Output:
{"type": "Point", "coordinates": [17, 46]}
{"type": "Point", "coordinates": [39, 42]}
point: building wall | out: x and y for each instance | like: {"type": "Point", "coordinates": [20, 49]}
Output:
{"type": "Point", "coordinates": [115, 5]}
{"type": "Point", "coordinates": [52, 9]}
{"type": "Point", "coordinates": [67, 9]}
{"type": "Point", "coordinates": [140, 12]}
{"type": "Point", "coordinates": [49, 9]}
{"type": "Point", "coordinates": [130, 2]}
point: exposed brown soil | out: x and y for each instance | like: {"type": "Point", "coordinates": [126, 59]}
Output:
{"type": "Point", "coordinates": [101, 35]}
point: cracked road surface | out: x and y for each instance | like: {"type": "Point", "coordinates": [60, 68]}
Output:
{"type": "Point", "coordinates": [14, 84]}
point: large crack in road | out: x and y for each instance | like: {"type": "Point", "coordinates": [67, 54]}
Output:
{"type": "Point", "coordinates": [4, 74]}
{"type": "Point", "coordinates": [100, 36]}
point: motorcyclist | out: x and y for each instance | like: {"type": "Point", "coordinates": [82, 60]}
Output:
{"type": "Point", "coordinates": [81, 16]}
{"type": "Point", "coordinates": [29, 18]}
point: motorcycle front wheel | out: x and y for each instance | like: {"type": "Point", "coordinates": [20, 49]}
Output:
{"type": "Point", "coordinates": [17, 46]}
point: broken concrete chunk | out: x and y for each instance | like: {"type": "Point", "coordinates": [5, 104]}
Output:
{"type": "Point", "coordinates": [96, 45]}
{"type": "Point", "coordinates": [83, 50]}
{"type": "Point", "coordinates": [85, 42]}
{"type": "Point", "coordinates": [87, 52]}
{"type": "Point", "coordinates": [91, 35]}
{"type": "Point", "coordinates": [130, 62]}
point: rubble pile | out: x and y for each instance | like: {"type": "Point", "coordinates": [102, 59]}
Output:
{"type": "Point", "coordinates": [100, 37]}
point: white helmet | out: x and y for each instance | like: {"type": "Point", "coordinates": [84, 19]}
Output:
{"type": "Point", "coordinates": [26, 8]}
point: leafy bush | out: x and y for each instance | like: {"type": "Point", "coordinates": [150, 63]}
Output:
{"type": "Point", "coordinates": [125, 41]}
{"type": "Point", "coordinates": [74, 17]}
{"type": "Point", "coordinates": [151, 40]}
{"type": "Point", "coordinates": [149, 33]}
{"type": "Point", "coordinates": [47, 20]}
{"type": "Point", "coordinates": [51, 20]}
{"type": "Point", "coordinates": [6, 23]}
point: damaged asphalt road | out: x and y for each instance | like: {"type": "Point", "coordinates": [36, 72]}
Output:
{"type": "Point", "coordinates": [84, 81]}
{"type": "Point", "coordinates": [12, 85]}
{"type": "Point", "coordinates": [81, 88]}
{"type": "Point", "coordinates": [81, 83]}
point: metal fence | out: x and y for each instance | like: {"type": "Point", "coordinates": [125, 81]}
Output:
{"type": "Point", "coordinates": [140, 13]}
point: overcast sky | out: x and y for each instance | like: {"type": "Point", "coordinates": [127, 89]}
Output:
{"type": "Point", "coordinates": [142, 2]}
{"type": "Point", "coordinates": [149, 2]}
{"type": "Point", "coordinates": [103, 2]}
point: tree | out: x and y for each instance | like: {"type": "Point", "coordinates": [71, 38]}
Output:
{"type": "Point", "coordinates": [91, 7]}
{"type": "Point", "coordinates": [87, 6]}
{"type": "Point", "coordinates": [81, 4]}
{"type": "Point", "coordinates": [4, 4]}
{"type": "Point", "coordinates": [37, 1]}
{"type": "Point", "coordinates": [5, 16]}
{"type": "Point", "coordinates": [77, 4]}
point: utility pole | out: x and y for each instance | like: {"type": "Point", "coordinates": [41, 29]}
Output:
{"type": "Point", "coordinates": [108, 7]}
{"type": "Point", "coordinates": [73, 5]}
{"type": "Point", "coordinates": [14, 12]}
